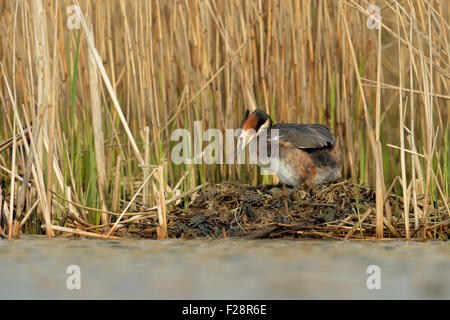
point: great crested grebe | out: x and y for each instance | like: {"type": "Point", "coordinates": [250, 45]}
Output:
{"type": "Point", "coordinates": [306, 152]}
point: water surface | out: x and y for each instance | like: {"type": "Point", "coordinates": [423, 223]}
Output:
{"type": "Point", "coordinates": [223, 269]}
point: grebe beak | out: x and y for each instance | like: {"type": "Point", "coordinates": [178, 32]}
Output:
{"type": "Point", "coordinates": [243, 140]}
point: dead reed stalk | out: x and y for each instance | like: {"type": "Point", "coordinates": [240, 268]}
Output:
{"type": "Point", "coordinates": [97, 124]}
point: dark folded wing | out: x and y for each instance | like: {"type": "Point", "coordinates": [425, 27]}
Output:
{"type": "Point", "coordinates": [305, 136]}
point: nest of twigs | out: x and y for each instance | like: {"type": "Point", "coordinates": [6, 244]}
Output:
{"type": "Point", "coordinates": [335, 211]}
{"type": "Point", "coordinates": [229, 210]}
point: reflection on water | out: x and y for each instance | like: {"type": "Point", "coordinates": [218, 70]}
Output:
{"type": "Point", "coordinates": [223, 269]}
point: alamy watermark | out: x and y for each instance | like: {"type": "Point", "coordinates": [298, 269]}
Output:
{"type": "Point", "coordinates": [374, 280]}
{"type": "Point", "coordinates": [74, 280]}
{"type": "Point", "coordinates": [374, 19]}
{"type": "Point", "coordinates": [73, 17]}
{"type": "Point", "coordinates": [221, 149]}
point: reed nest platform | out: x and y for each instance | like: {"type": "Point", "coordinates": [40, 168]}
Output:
{"type": "Point", "coordinates": [341, 210]}
{"type": "Point", "coordinates": [335, 211]}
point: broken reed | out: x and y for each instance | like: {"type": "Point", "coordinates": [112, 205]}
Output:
{"type": "Point", "coordinates": [163, 64]}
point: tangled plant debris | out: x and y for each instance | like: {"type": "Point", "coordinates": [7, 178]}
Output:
{"type": "Point", "coordinates": [341, 210]}
{"type": "Point", "coordinates": [337, 211]}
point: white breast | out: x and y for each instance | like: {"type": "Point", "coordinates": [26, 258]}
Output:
{"type": "Point", "coordinates": [281, 170]}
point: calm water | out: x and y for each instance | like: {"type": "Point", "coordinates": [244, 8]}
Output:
{"type": "Point", "coordinates": [223, 269]}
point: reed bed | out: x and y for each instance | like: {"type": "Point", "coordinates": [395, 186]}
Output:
{"type": "Point", "coordinates": [88, 108]}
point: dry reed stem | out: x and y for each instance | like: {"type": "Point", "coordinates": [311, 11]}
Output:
{"type": "Point", "coordinates": [146, 161]}
{"type": "Point", "coordinates": [357, 225]}
{"type": "Point", "coordinates": [108, 85]}
{"type": "Point", "coordinates": [406, 195]}
{"type": "Point", "coordinates": [372, 83]}
{"type": "Point", "coordinates": [74, 204]}
{"type": "Point", "coordinates": [27, 215]}
{"type": "Point", "coordinates": [84, 233]}
{"type": "Point", "coordinates": [115, 201]}
{"type": "Point", "coordinates": [97, 124]}
{"type": "Point", "coordinates": [161, 200]}
{"type": "Point", "coordinates": [37, 171]}
{"type": "Point", "coordinates": [376, 147]}
{"type": "Point", "coordinates": [13, 180]}
{"type": "Point", "coordinates": [130, 203]}
{"type": "Point", "coordinates": [43, 99]}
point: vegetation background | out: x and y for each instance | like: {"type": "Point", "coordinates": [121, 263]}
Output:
{"type": "Point", "coordinates": [102, 100]}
